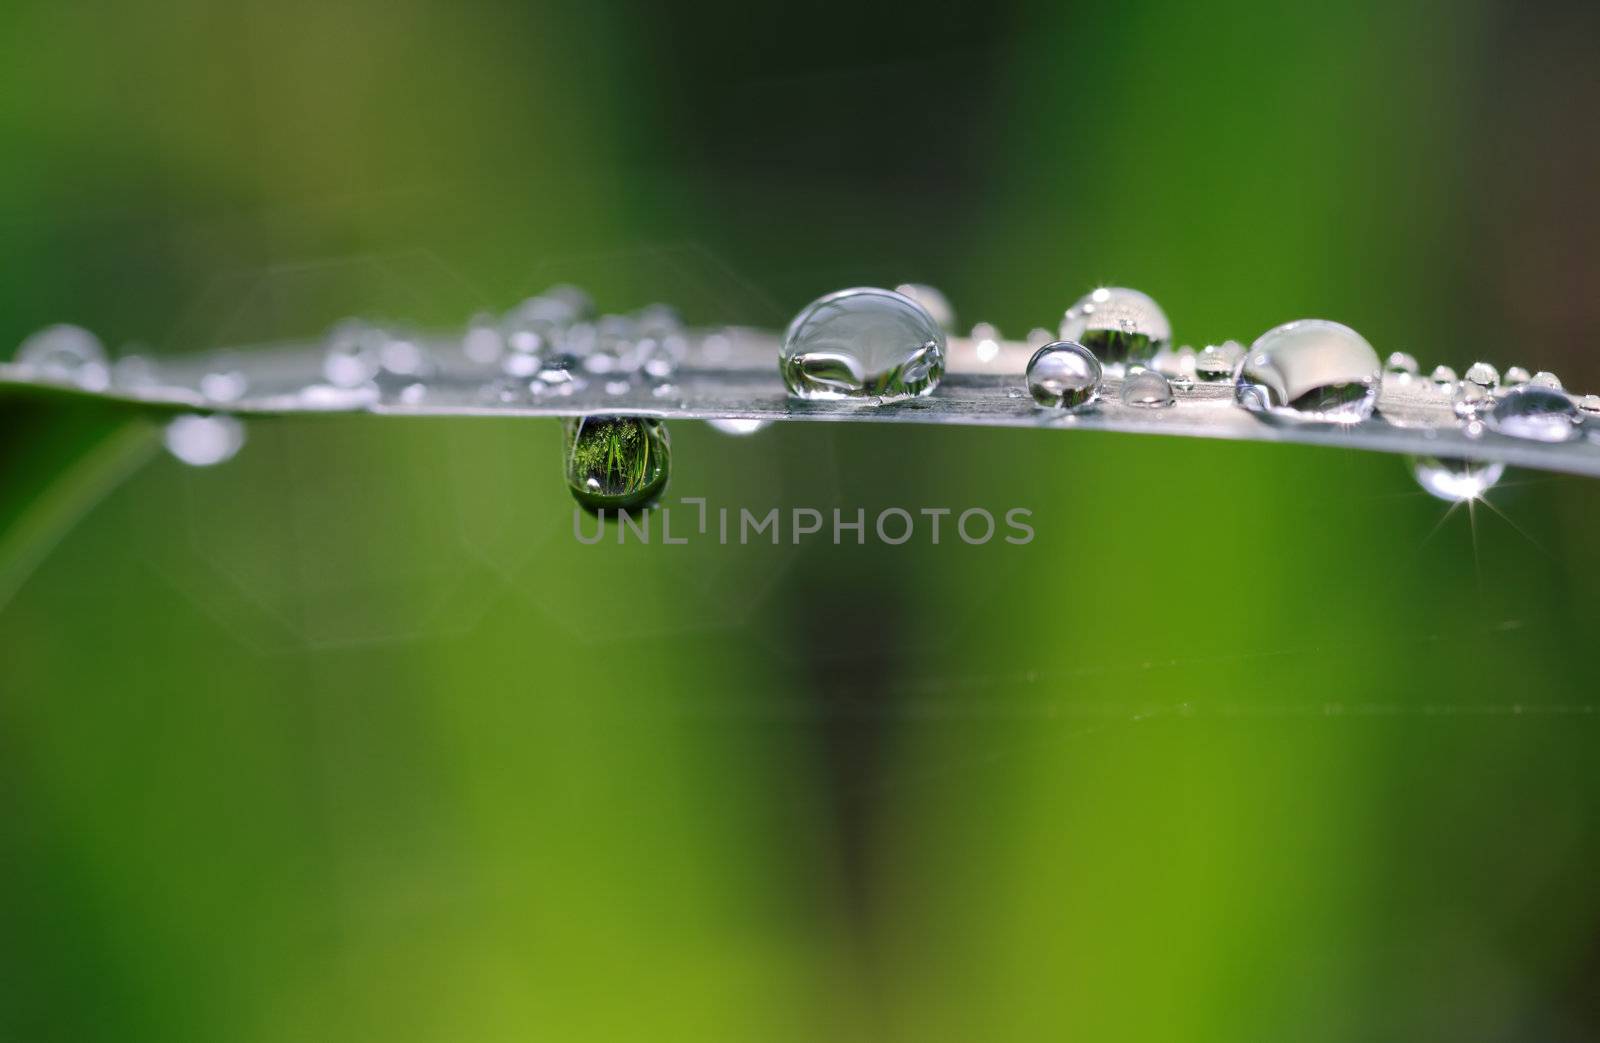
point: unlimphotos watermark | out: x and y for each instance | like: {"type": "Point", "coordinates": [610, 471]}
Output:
{"type": "Point", "coordinates": [742, 526]}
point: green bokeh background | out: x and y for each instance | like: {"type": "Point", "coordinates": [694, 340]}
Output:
{"type": "Point", "coordinates": [351, 739]}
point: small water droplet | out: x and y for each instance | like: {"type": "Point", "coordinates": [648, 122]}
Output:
{"type": "Point", "coordinates": [1540, 414]}
{"type": "Point", "coordinates": [1217, 362]}
{"type": "Point", "coordinates": [1454, 480]}
{"type": "Point", "coordinates": [413, 394]}
{"type": "Point", "coordinates": [985, 341]}
{"type": "Point", "coordinates": [617, 387]}
{"type": "Point", "coordinates": [226, 382]}
{"type": "Point", "coordinates": [1516, 376]}
{"type": "Point", "coordinates": [933, 302]}
{"type": "Point", "coordinates": [202, 440]}
{"type": "Point", "coordinates": [1038, 337]}
{"type": "Point", "coordinates": [1472, 400]}
{"type": "Point", "coordinates": [1443, 377]}
{"type": "Point", "coordinates": [1401, 364]}
{"type": "Point", "coordinates": [616, 462]}
{"type": "Point", "coordinates": [738, 426]}
{"type": "Point", "coordinates": [520, 364]}
{"type": "Point", "coordinates": [354, 353]}
{"type": "Point", "coordinates": [664, 390]}
{"type": "Point", "coordinates": [1545, 379]}
{"type": "Point", "coordinates": [406, 355]}
{"type": "Point", "coordinates": [1312, 369]}
{"type": "Point", "coordinates": [862, 343]}
{"type": "Point", "coordinates": [1483, 375]}
{"type": "Point", "coordinates": [1119, 325]}
{"type": "Point", "coordinates": [1175, 364]}
{"type": "Point", "coordinates": [1589, 403]}
{"type": "Point", "coordinates": [135, 372]}
{"type": "Point", "coordinates": [67, 353]}
{"type": "Point", "coordinates": [1147, 389]}
{"type": "Point", "coordinates": [1064, 375]}
{"type": "Point", "coordinates": [483, 344]}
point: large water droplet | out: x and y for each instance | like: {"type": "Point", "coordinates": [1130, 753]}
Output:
{"type": "Point", "coordinates": [201, 440]}
{"type": "Point", "coordinates": [67, 353]}
{"type": "Point", "coordinates": [1146, 389]}
{"type": "Point", "coordinates": [1454, 480]}
{"type": "Point", "coordinates": [1064, 375]}
{"type": "Point", "coordinates": [933, 302]}
{"type": "Point", "coordinates": [616, 462]}
{"type": "Point", "coordinates": [1119, 325]}
{"type": "Point", "coordinates": [1538, 413]}
{"type": "Point", "coordinates": [862, 343]}
{"type": "Point", "coordinates": [1312, 369]}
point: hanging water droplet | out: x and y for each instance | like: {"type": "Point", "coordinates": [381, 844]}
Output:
{"type": "Point", "coordinates": [1516, 376]}
{"type": "Point", "coordinates": [67, 353]}
{"type": "Point", "coordinates": [933, 302]}
{"type": "Point", "coordinates": [738, 426]}
{"type": "Point", "coordinates": [1545, 379]}
{"type": "Point", "coordinates": [1443, 377]}
{"type": "Point", "coordinates": [1217, 362]}
{"type": "Point", "coordinates": [862, 343]}
{"type": "Point", "coordinates": [985, 341]}
{"type": "Point", "coordinates": [1119, 325]}
{"type": "Point", "coordinates": [1147, 389]}
{"type": "Point", "coordinates": [1538, 413]}
{"type": "Point", "coordinates": [616, 462]}
{"type": "Point", "coordinates": [1483, 375]}
{"type": "Point", "coordinates": [1401, 364]}
{"type": "Point", "coordinates": [1454, 480]}
{"type": "Point", "coordinates": [1589, 403]}
{"type": "Point", "coordinates": [202, 440]}
{"type": "Point", "coordinates": [1312, 369]}
{"type": "Point", "coordinates": [1064, 375]}
{"type": "Point", "coordinates": [354, 353]}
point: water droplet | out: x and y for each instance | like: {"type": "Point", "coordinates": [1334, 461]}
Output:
{"type": "Point", "coordinates": [617, 387]}
{"type": "Point", "coordinates": [616, 462]}
{"type": "Point", "coordinates": [67, 353]}
{"type": "Point", "coordinates": [1119, 325]}
{"type": "Point", "coordinates": [1538, 413]}
{"type": "Point", "coordinates": [520, 364]}
{"type": "Point", "coordinates": [201, 440]}
{"type": "Point", "coordinates": [1516, 376]}
{"type": "Point", "coordinates": [933, 302]}
{"type": "Point", "coordinates": [1483, 375]}
{"type": "Point", "coordinates": [561, 369]}
{"type": "Point", "coordinates": [133, 372]}
{"type": "Point", "coordinates": [354, 353]}
{"type": "Point", "coordinates": [738, 426]}
{"type": "Point", "coordinates": [1174, 364]}
{"type": "Point", "coordinates": [1589, 403]}
{"type": "Point", "coordinates": [482, 343]}
{"type": "Point", "coordinates": [226, 382]}
{"type": "Point", "coordinates": [1064, 375]}
{"type": "Point", "coordinates": [1217, 362]}
{"type": "Point", "coordinates": [1472, 400]}
{"type": "Point", "coordinates": [862, 343]}
{"type": "Point", "coordinates": [1545, 379]}
{"type": "Point", "coordinates": [1310, 370]}
{"type": "Point", "coordinates": [1147, 389]}
{"type": "Point", "coordinates": [406, 355]}
{"type": "Point", "coordinates": [1454, 480]}
{"type": "Point", "coordinates": [412, 394]}
{"type": "Point", "coordinates": [1401, 364]}
{"type": "Point", "coordinates": [1038, 337]}
{"type": "Point", "coordinates": [1443, 377]}
{"type": "Point", "coordinates": [985, 341]}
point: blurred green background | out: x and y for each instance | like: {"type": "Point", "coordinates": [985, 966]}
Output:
{"type": "Point", "coordinates": [351, 739]}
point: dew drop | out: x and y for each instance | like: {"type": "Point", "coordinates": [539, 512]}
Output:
{"type": "Point", "coordinates": [863, 344]}
{"type": "Point", "coordinates": [1483, 375]}
{"type": "Point", "coordinates": [354, 354]}
{"type": "Point", "coordinates": [1175, 365]}
{"type": "Point", "coordinates": [1455, 480]}
{"type": "Point", "coordinates": [1064, 375]}
{"type": "Point", "coordinates": [1038, 337]}
{"type": "Point", "coordinates": [933, 302]}
{"type": "Point", "coordinates": [1311, 369]}
{"type": "Point", "coordinates": [1146, 389]}
{"type": "Point", "coordinates": [616, 462]}
{"type": "Point", "coordinates": [1119, 325]}
{"type": "Point", "coordinates": [202, 440]}
{"type": "Point", "coordinates": [226, 383]}
{"type": "Point", "coordinates": [1545, 379]}
{"type": "Point", "coordinates": [1540, 414]}
{"type": "Point", "coordinates": [985, 341]}
{"type": "Point", "coordinates": [1217, 362]}
{"type": "Point", "coordinates": [738, 426]}
{"type": "Point", "coordinates": [1472, 400]}
{"type": "Point", "coordinates": [1589, 403]}
{"type": "Point", "coordinates": [483, 344]}
{"type": "Point", "coordinates": [67, 353]}
{"type": "Point", "coordinates": [1443, 377]}
{"type": "Point", "coordinates": [1516, 376]}
{"type": "Point", "coordinates": [1401, 364]}
{"type": "Point", "coordinates": [134, 372]}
